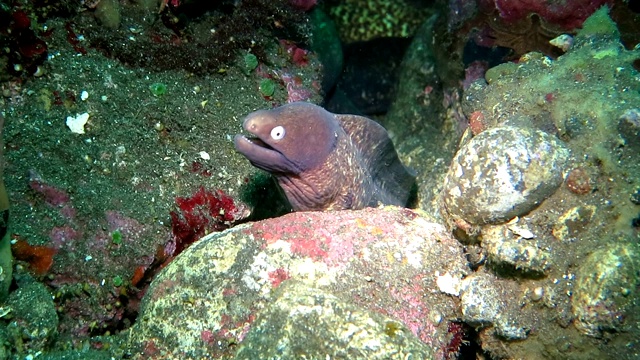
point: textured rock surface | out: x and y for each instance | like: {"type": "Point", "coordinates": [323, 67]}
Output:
{"type": "Point", "coordinates": [305, 321]}
{"type": "Point", "coordinates": [482, 301]}
{"type": "Point", "coordinates": [606, 289]}
{"type": "Point", "coordinates": [515, 247]}
{"type": "Point", "coordinates": [563, 259]}
{"type": "Point", "coordinates": [34, 321]}
{"type": "Point", "coordinates": [383, 262]}
{"type": "Point", "coordinates": [502, 173]}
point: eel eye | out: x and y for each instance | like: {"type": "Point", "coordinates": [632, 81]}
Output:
{"type": "Point", "coordinates": [277, 133]}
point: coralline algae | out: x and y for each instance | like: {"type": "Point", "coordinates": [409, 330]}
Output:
{"type": "Point", "coordinates": [502, 173]}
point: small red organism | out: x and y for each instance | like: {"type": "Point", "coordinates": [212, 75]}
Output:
{"type": "Point", "coordinates": [477, 122]}
{"type": "Point", "coordinates": [207, 336]}
{"type": "Point", "coordinates": [298, 55]}
{"type": "Point", "coordinates": [457, 334]}
{"type": "Point", "coordinates": [39, 258]}
{"type": "Point", "coordinates": [32, 47]}
{"type": "Point", "coordinates": [202, 212]}
{"type": "Point", "coordinates": [199, 168]}
{"type": "Point", "coordinates": [20, 20]}
{"type": "Point", "coordinates": [295, 88]}
{"type": "Point", "coordinates": [549, 97]}
{"type": "Point", "coordinates": [72, 38]}
{"type": "Point", "coordinates": [579, 181]}
{"type": "Point", "coordinates": [138, 275]}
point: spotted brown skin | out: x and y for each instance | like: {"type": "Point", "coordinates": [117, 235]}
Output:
{"type": "Point", "coordinates": [325, 161]}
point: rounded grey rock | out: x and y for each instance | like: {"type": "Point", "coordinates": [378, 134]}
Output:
{"type": "Point", "coordinates": [488, 301]}
{"type": "Point", "coordinates": [502, 173]}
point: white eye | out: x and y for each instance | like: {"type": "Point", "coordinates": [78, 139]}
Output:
{"type": "Point", "coordinates": [277, 133]}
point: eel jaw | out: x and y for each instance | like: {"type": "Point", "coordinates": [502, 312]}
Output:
{"type": "Point", "coordinates": [263, 156]}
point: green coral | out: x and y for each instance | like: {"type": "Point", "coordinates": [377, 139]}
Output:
{"type": "Point", "coordinates": [360, 20]}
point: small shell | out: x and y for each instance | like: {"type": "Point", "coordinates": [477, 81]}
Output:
{"type": "Point", "coordinates": [563, 42]}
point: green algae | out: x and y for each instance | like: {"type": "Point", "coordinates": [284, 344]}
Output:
{"type": "Point", "coordinates": [158, 89]}
{"type": "Point", "coordinates": [116, 237]}
{"type": "Point", "coordinates": [599, 23]}
{"type": "Point", "coordinates": [267, 87]}
{"type": "Point", "coordinates": [250, 63]}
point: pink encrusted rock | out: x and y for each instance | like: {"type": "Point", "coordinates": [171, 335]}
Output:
{"type": "Point", "coordinates": [383, 263]}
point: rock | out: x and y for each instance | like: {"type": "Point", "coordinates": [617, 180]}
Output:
{"type": "Point", "coordinates": [502, 173]}
{"type": "Point", "coordinates": [108, 13]}
{"type": "Point", "coordinates": [304, 321]}
{"type": "Point", "coordinates": [506, 247]}
{"type": "Point", "coordinates": [423, 118]}
{"type": "Point", "coordinates": [34, 324]}
{"type": "Point", "coordinates": [483, 302]}
{"type": "Point", "coordinates": [606, 291]}
{"type": "Point", "coordinates": [629, 128]}
{"type": "Point", "coordinates": [326, 43]}
{"type": "Point", "coordinates": [382, 262]}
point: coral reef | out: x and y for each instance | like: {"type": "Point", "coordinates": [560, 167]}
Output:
{"type": "Point", "coordinates": [359, 20]}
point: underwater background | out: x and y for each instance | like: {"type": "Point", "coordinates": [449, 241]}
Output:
{"type": "Point", "coordinates": [133, 229]}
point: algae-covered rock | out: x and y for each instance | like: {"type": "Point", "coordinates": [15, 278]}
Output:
{"type": "Point", "coordinates": [482, 300]}
{"type": "Point", "coordinates": [509, 245]}
{"type": "Point", "coordinates": [629, 128]}
{"type": "Point", "coordinates": [503, 173]}
{"type": "Point", "coordinates": [566, 250]}
{"type": "Point", "coordinates": [108, 13]}
{"type": "Point", "coordinates": [599, 23]}
{"type": "Point", "coordinates": [34, 324]}
{"type": "Point", "coordinates": [606, 295]}
{"type": "Point", "coordinates": [304, 321]}
{"type": "Point", "coordinates": [372, 269]}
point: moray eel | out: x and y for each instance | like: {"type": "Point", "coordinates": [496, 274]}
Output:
{"type": "Point", "coordinates": [325, 161]}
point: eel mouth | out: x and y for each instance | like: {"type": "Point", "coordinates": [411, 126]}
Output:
{"type": "Point", "coordinates": [256, 141]}
{"type": "Point", "coordinates": [263, 156]}
{"type": "Point", "coordinates": [252, 146]}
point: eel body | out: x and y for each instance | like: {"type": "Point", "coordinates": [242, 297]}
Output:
{"type": "Point", "coordinates": [325, 161]}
